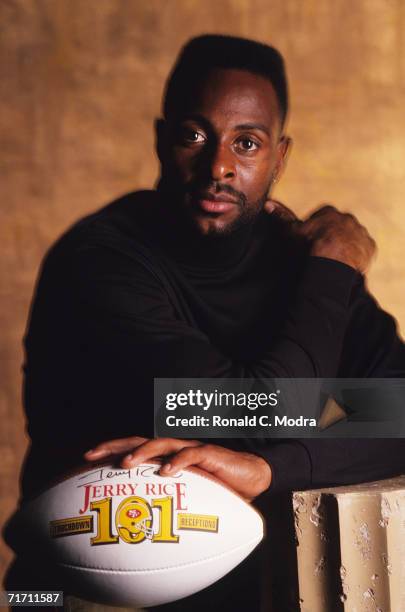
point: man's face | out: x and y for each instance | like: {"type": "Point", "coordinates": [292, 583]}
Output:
{"type": "Point", "coordinates": [221, 152]}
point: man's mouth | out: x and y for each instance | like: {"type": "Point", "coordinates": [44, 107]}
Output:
{"type": "Point", "coordinates": [215, 202]}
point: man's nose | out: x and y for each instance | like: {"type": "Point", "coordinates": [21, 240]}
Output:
{"type": "Point", "coordinates": [222, 164]}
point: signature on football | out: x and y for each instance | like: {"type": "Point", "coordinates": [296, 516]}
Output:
{"type": "Point", "coordinates": [145, 471]}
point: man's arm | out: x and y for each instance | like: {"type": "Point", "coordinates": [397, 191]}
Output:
{"type": "Point", "coordinates": [128, 312]}
{"type": "Point", "coordinates": [130, 306]}
{"type": "Point", "coordinates": [309, 345]}
{"type": "Point", "coordinates": [294, 464]}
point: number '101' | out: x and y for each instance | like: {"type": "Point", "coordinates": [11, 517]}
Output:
{"type": "Point", "coordinates": [134, 521]}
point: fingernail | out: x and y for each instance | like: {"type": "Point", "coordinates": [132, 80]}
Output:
{"type": "Point", "coordinates": [95, 453]}
{"type": "Point", "coordinates": [128, 458]}
{"type": "Point", "coordinates": [167, 467]}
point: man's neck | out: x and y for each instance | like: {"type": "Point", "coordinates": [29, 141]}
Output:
{"type": "Point", "coordinates": [186, 243]}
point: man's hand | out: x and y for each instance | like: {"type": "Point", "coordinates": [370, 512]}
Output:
{"type": "Point", "coordinates": [248, 474]}
{"type": "Point", "coordinates": [332, 234]}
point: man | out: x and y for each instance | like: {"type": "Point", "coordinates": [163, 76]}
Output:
{"type": "Point", "coordinates": [206, 277]}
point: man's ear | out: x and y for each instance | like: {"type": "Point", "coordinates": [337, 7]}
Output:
{"type": "Point", "coordinates": [161, 139]}
{"type": "Point", "coordinates": [283, 151]}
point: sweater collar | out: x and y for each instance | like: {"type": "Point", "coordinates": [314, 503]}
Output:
{"type": "Point", "coordinates": [191, 249]}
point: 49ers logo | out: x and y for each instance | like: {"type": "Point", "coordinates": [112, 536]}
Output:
{"type": "Point", "coordinates": [133, 513]}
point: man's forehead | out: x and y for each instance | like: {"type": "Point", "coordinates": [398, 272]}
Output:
{"type": "Point", "coordinates": [238, 95]}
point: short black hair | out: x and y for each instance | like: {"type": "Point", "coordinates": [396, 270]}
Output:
{"type": "Point", "coordinates": [204, 53]}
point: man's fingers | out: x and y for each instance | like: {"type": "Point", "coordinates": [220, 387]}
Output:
{"type": "Point", "coordinates": [322, 210]}
{"type": "Point", "coordinates": [241, 471]}
{"type": "Point", "coordinates": [270, 206]}
{"type": "Point", "coordinates": [247, 474]}
{"type": "Point", "coordinates": [139, 449]}
{"type": "Point", "coordinates": [114, 447]}
{"type": "Point", "coordinates": [183, 459]}
{"type": "Point", "coordinates": [156, 448]}
{"type": "Point", "coordinates": [339, 236]}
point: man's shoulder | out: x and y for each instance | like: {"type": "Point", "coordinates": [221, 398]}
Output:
{"type": "Point", "coordinates": [118, 227]}
{"type": "Point", "coordinates": [119, 220]}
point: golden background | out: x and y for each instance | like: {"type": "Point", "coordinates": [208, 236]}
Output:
{"type": "Point", "coordinates": [81, 84]}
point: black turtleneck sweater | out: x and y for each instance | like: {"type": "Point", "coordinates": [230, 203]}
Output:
{"type": "Point", "coordinates": [129, 294]}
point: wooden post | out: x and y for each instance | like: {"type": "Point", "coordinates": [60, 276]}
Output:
{"type": "Point", "coordinates": [351, 547]}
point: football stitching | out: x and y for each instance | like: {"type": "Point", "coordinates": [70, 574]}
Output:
{"type": "Point", "coordinates": [159, 569]}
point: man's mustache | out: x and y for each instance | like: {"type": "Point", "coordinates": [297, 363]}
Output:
{"type": "Point", "coordinates": [201, 192]}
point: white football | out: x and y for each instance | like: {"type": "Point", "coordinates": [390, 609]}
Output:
{"type": "Point", "coordinates": [135, 538]}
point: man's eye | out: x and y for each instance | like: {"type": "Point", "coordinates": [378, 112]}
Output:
{"type": "Point", "coordinates": [192, 136]}
{"type": "Point", "coordinates": [246, 144]}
